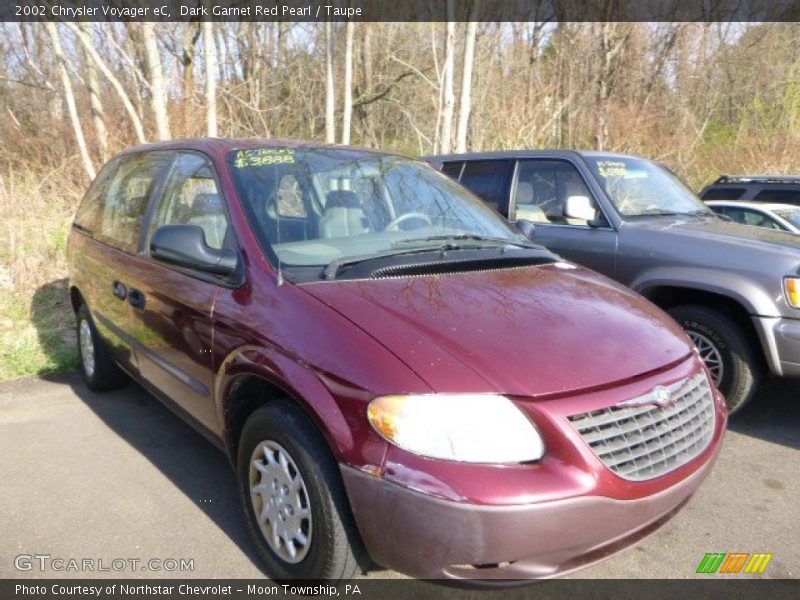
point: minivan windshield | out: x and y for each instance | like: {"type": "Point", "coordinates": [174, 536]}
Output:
{"type": "Point", "coordinates": [640, 187]}
{"type": "Point", "coordinates": [315, 206]}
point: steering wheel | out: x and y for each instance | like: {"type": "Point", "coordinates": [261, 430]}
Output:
{"type": "Point", "coordinates": [394, 223]}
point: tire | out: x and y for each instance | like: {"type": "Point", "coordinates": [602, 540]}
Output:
{"type": "Point", "coordinates": [332, 547]}
{"type": "Point", "coordinates": [99, 370]}
{"type": "Point", "coordinates": [716, 334]}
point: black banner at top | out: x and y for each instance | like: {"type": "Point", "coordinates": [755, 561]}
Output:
{"type": "Point", "coordinates": [399, 10]}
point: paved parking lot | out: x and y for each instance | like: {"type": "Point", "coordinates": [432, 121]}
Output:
{"type": "Point", "coordinates": [119, 476]}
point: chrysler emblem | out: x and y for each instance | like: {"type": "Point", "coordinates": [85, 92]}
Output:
{"type": "Point", "coordinates": [661, 396]}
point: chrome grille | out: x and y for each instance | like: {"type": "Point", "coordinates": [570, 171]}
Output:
{"type": "Point", "coordinates": [640, 440]}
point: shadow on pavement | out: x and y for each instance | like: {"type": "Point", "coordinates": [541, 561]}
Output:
{"type": "Point", "coordinates": [192, 463]}
{"type": "Point", "coordinates": [773, 414]}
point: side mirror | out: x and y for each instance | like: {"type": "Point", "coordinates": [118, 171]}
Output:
{"type": "Point", "coordinates": [526, 228]}
{"type": "Point", "coordinates": [580, 207]}
{"type": "Point", "coordinates": [185, 246]}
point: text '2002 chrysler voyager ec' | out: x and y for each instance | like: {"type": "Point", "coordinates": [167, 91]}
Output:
{"type": "Point", "coordinates": [394, 372]}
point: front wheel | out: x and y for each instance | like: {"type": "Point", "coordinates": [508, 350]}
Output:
{"type": "Point", "coordinates": [726, 349]}
{"type": "Point", "coordinates": [294, 501]}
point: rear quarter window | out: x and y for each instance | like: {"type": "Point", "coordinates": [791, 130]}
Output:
{"type": "Point", "coordinates": [723, 194]}
{"type": "Point", "coordinates": [778, 195]}
{"type": "Point", "coordinates": [90, 211]}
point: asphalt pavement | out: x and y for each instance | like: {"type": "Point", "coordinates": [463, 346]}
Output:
{"type": "Point", "coordinates": [118, 477]}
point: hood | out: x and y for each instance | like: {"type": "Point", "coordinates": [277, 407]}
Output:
{"type": "Point", "coordinates": [525, 331]}
{"type": "Point", "coordinates": [720, 232]}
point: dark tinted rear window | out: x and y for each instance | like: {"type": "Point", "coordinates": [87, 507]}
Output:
{"type": "Point", "coordinates": [723, 193]}
{"type": "Point", "coordinates": [489, 180]}
{"type": "Point", "coordinates": [778, 195]}
{"type": "Point", "coordinates": [452, 169]}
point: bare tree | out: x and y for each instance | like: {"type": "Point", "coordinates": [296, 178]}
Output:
{"type": "Point", "coordinates": [347, 109]}
{"type": "Point", "coordinates": [448, 83]}
{"type": "Point", "coordinates": [115, 83]}
{"type": "Point", "coordinates": [330, 92]}
{"type": "Point", "coordinates": [211, 78]}
{"type": "Point", "coordinates": [96, 104]}
{"type": "Point", "coordinates": [69, 98]}
{"type": "Point", "coordinates": [156, 76]}
{"type": "Point", "coordinates": [465, 103]}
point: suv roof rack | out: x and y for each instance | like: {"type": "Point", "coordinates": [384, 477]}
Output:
{"type": "Point", "coordinates": [758, 178]}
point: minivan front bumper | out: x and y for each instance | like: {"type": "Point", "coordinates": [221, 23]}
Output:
{"type": "Point", "coordinates": [432, 538]}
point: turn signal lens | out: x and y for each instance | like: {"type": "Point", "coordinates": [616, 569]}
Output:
{"type": "Point", "coordinates": [791, 286]}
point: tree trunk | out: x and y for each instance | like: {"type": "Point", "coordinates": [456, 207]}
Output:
{"type": "Point", "coordinates": [211, 78]}
{"type": "Point", "coordinates": [347, 109]}
{"type": "Point", "coordinates": [157, 89]}
{"type": "Point", "coordinates": [126, 101]}
{"type": "Point", "coordinates": [465, 104]}
{"type": "Point", "coordinates": [330, 99]}
{"type": "Point", "coordinates": [69, 97]}
{"type": "Point", "coordinates": [447, 81]}
{"type": "Point", "coordinates": [93, 87]}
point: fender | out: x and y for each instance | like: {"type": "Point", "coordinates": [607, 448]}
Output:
{"type": "Point", "coordinates": [310, 393]}
{"type": "Point", "coordinates": [747, 293]}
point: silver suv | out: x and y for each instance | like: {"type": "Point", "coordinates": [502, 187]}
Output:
{"type": "Point", "coordinates": [735, 289]}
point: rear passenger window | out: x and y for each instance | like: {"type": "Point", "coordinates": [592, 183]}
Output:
{"type": "Point", "coordinates": [191, 197]}
{"type": "Point", "coordinates": [90, 212]}
{"type": "Point", "coordinates": [126, 197]}
{"type": "Point", "coordinates": [773, 195]}
{"type": "Point", "coordinates": [723, 194]}
{"type": "Point", "coordinates": [452, 169]}
{"type": "Point", "coordinates": [489, 180]}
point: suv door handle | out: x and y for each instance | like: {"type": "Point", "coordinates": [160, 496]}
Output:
{"type": "Point", "coordinates": [119, 290]}
{"type": "Point", "coordinates": [136, 298]}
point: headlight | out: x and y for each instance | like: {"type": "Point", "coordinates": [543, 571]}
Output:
{"type": "Point", "coordinates": [475, 428]}
{"type": "Point", "coordinates": [791, 287]}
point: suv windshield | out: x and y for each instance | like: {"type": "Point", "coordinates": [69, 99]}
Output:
{"type": "Point", "coordinates": [639, 187]}
{"type": "Point", "coordinates": [311, 207]}
{"type": "Point", "coordinates": [790, 214]}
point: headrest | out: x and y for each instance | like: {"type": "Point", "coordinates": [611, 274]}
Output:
{"type": "Point", "coordinates": [342, 199]}
{"type": "Point", "coordinates": [524, 193]}
{"type": "Point", "coordinates": [206, 203]}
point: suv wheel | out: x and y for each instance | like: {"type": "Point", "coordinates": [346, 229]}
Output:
{"type": "Point", "coordinates": [99, 370]}
{"type": "Point", "coordinates": [294, 501]}
{"type": "Point", "coordinates": [726, 350]}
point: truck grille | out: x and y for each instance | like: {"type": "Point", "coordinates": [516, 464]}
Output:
{"type": "Point", "coordinates": [639, 439]}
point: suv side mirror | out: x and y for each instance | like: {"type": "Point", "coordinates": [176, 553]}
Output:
{"type": "Point", "coordinates": [580, 207]}
{"type": "Point", "coordinates": [185, 246]}
{"type": "Point", "coordinates": [526, 228]}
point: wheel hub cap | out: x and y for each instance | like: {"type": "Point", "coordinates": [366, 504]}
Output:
{"type": "Point", "coordinates": [280, 501]}
{"type": "Point", "coordinates": [710, 354]}
{"type": "Point", "coordinates": [87, 347]}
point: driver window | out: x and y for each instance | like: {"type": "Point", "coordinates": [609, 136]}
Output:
{"type": "Point", "coordinates": [191, 197]}
{"type": "Point", "coordinates": [543, 187]}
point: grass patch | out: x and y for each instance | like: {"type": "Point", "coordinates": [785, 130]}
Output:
{"type": "Point", "coordinates": [37, 331]}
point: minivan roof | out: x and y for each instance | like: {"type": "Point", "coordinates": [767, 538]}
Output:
{"type": "Point", "coordinates": [214, 145]}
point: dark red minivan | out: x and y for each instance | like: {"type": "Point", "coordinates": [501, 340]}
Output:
{"type": "Point", "coordinates": [394, 372]}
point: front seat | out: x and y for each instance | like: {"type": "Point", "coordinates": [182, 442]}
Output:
{"type": "Point", "coordinates": [570, 187]}
{"type": "Point", "coordinates": [343, 216]}
{"type": "Point", "coordinates": [207, 213]}
{"type": "Point", "coordinates": [525, 207]}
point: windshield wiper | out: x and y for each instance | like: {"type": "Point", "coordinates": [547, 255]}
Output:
{"type": "Point", "coordinates": [337, 264]}
{"type": "Point", "coordinates": [463, 237]}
